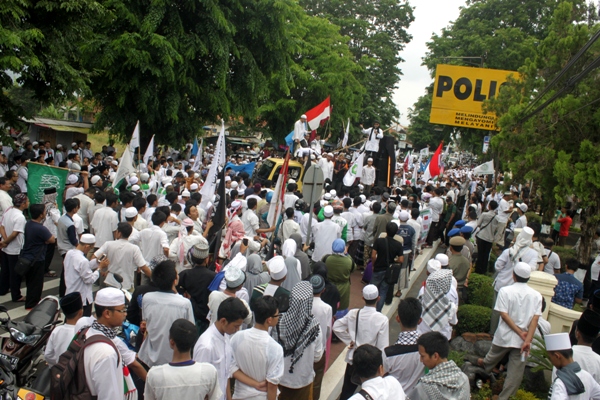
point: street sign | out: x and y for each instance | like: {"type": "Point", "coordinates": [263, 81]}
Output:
{"type": "Point", "coordinates": [312, 187]}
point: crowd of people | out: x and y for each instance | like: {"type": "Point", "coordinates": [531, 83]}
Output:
{"type": "Point", "coordinates": [253, 314]}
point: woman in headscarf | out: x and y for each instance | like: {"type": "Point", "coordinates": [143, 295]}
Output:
{"type": "Point", "coordinates": [254, 273]}
{"type": "Point", "coordinates": [52, 217]}
{"type": "Point", "coordinates": [301, 256]}
{"type": "Point", "coordinates": [235, 229]}
{"type": "Point", "coordinates": [339, 268]}
{"type": "Point", "coordinates": [331, 295]}
{"type": "Point", "coordinates": [299, 334]}
{"type": "Point", "coordinates": [292, 264]}
{"type": "Point", "coordinates": [439, 313]}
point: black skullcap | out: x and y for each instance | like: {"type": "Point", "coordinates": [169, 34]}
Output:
{"type": "Point", "coordinates": [71, 303]}
{"type": "Point", "coordinates": [589, 323]}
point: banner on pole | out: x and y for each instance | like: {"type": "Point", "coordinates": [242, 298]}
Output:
{"type": "Point", "coordinates": [425, 224]}
{"type": "Point", "coordinates": [42, 177]}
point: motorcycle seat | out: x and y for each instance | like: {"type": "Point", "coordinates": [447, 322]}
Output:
{"type": "Point", "coordinates": [42, 314]}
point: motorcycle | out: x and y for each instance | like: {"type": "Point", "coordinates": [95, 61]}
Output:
{"type": "Point", "coordinates": [23, 370]}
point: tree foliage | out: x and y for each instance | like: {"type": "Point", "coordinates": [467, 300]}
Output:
{"type": "Point", "coordinates": [503, 33]}
{"type": "Point", "coordinates": [377, 33]}
{"type": "Point", "coordinates": [558, 146]}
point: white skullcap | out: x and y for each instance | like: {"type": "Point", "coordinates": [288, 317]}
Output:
{"type": "Point", "coordinates": [227, 178]}
{"type": "Point", "coordinates": [277, 268]}
{"type": "Point", "coordinates": [185, 193]}
{"type": "Point", "coordinates": [433, 265]}
{"type": "Point", "coordinates": [166, 181]}
{"type": "Point", "coordinates": [73, 144]}
{"type": "Point", "coordinates": [34, 143]}
{"type": "Point", "coordinates": [234, 184]}
{"type": "Point", "coordinates": [291, 180]}
{"type": "Point", "coordinates": [312, 157]}
{"type": "Point", "coordinates": [303, 116]}
{"type": "Point", "coordinates": [59, 146]}
{"type": "Point", "coordinates": [239, 261]}
{"type": "Point", "coordinates": [133, 180]}
{"type": "Point", "coordinates": [557, 341]}
{"type": "Point", "coordinates": [114, 162]}
{"type": "Point", "coordinates": [523, 207]}
{"type": "Point", "coordinates": [131, 212]}
{"type": "Point", "coordinates": [145, 176]}
{"type": "Point", "coordinates": [328, 211]}
{"type": "Point", "coordinates": [194, 186]}
{"type": "Point", "coordinates": [234, 276]}
{"type": "Point", "coordinates": [87, 238]}
{"type": "Point", "coordinates": [369, 159]}
{"type": "Point", "coordinates": [370, 292]}
{"type": "Point", "coordinates": [110, 297]}
{"type": "Point", "coordinates": [327, 196]}
{"type": "Point", "coordinates": [135, 188]}
{"type": "Point", "coordinates": [72, 179]}
{"type": "Point", "coordinates": [363, 198]}
{"type": "Point", "coordinates": [95, 179]}
{"type": "Point", "coordinates": [333, 193]}
{"type": "Point", "coordinates": [404, 216]}
{"type": "Point", "coordinates": [522, 270]}
{"type": "Point", "coordinates": [330, 154]}
{"type": "Point", "coordinates": [442, 258]}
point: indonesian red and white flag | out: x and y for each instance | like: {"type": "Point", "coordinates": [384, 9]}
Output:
{"type": "Point", "coordinates": [319, 113]}
{"type": "Point", "coordinates": [407, 162]}
{"type": "Point", "coordinates": [434, 168]}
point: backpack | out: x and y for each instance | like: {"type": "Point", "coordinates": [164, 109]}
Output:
{"type": "Point", "coordinates": [68, 375]}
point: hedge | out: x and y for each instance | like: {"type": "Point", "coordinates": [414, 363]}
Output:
{"type": "Point", "coordinates": [564, 253]}
{"type": "Point", "coordinates": [533, 216]}
{"type": "Point", "coordinates": [480, 290]}
{"type": "Point", "coordinates": [472, 318]}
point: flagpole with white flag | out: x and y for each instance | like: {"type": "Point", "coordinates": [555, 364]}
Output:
{"type": "Point", "coordinates": [125, 167]}
{"type": "Point", "coordinates": [346, 134]}
{"type": "Point", "coordinates": [210, 184]}
{"type": "Point", "coordinates": [198, 160]}
{"type": "Point", "coordinates": [149, 151]}
{"type": "Point", "coordinates": [485, 168]}
{"type": "Point", "coordinates": [355, 170]}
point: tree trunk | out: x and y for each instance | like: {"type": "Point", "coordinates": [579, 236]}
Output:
{"type": "Point", "coordinates": [589, 224]}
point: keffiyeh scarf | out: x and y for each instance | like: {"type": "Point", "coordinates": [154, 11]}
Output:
{"type": "Point", "coordinates": [297, 328]}
{"type": "Point", "coordinates": [435, 304]}
{"type": "Point", "coordinates": [444, 378]}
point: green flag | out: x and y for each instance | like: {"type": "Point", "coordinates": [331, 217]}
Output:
{"type": "Point", "coordinates": [41, 177]}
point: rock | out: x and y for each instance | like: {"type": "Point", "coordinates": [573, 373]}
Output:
{"type": "Point", "coordinates": [460, 344]}
{"type": "Point", "coordinates": [484, 336]}
{"type": "Point", "coordinates": [482, 347]}
{"type": "Point", "coordinates": [470, 337]}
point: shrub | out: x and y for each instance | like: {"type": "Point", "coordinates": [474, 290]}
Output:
{"type": "Point", "coordinates": [473, 318]}
{"type": "Point", "coordinates": [485, 393]}
{"type": "Point", "coordinates": [492, 262]}
{"type": "Point", "coordinates": [480, 290]}
{"type": "Point", "coordinates": [532, 216]}
{"type": "Point", "coordinates": [458, 357]}
{"type": "Point", "coordinates": [564, 253]}
{"type": "Point", "coordinates": [523, 395]}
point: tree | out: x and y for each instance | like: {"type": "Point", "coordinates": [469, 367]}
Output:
{"type": "Point", "coordinates": [39, 50]}
{"type": "Point", "coordinates": [321, 66]}
{"type": "Point", "coordinates": [377, 32]}
{"type": "Point", "coordinates": [174, 65]}
{"type": "Point", "coordinates": [558, 146]}
{"type": "Point", "coordinates": [503, 33]}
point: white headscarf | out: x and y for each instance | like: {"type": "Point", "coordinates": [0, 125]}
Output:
{"type": "Point", "coordinates": [522, 243]}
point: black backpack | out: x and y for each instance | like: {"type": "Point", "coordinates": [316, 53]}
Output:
{"type": "Point", "coordinates": [68, 376]}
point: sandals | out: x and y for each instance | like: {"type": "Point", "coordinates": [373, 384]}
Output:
{"type": "Point", "coordinates": [50, 274]}
{"type": "Point", "coordinates": [21, 300]}
{"type": "Point", "coordinates": [398, 293]}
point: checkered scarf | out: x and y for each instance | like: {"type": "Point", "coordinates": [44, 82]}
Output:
{"type": "Point", "coordinates": [408, 338]}
{"type": "Point", "coordinates": [297, 327]}
{"type": "Point", "coordinates": [435, 304]}
{"type": "Point", "coordinates": [447, 377]}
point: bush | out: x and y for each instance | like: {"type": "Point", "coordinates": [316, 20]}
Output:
{"type": "Point", "coordinates": [564, 253]}
{"type": "Point", "coordinates": [472, 318]}
{"type": "Point", "coordinates": [532, 216]}
{"type": "Point", "coordinates": [523, 395]}
{"type": "Point", "coordinates": [492, 262]}
{"type": "Point", "coordinates": [458, 357]}
{"type": "Point", "coordinates": [480, 290]}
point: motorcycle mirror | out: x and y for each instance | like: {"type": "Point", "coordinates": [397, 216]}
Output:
{"type": "Point", "coordinates": [118, 278]}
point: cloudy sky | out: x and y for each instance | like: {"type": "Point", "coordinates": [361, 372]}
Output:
{"type": "Point", "coordinates": [430, 16]}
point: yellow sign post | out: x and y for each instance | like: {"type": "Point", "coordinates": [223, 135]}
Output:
{"type": "Point", "coordinates": [459, 93]}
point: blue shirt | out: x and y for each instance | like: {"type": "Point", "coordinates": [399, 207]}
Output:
{"type": "Point", "coordinates": [568, 289]}
{"type": "Point", "coordinates": [407, 233]}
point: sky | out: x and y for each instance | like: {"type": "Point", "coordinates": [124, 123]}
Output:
{"type": "Point", "coordinates": [430, 16]}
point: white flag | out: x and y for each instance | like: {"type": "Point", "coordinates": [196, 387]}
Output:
{"type": "Point", "coordinates": [149, 151]}
{"type": "Point", "coordinates": [210, 184]}
{"type": "Point", "coordinates": [413, 180]}
{"type": "Point", "coordinates": [345, 140]}
{"type": "Point", "coordinates": [485, 168]}
{"type": "Point", "coordinates": [135, 138]}
{"type": "Point", "coordinates": [125, 167]}
{"type": "Point", "coordinates": [198, 160]}
{"type": "Point", "coordinates": [355, 171]}
{"type": "Point", "coordinates": [274, 210]}
{"type": "Point", "coordinates": [424, 152]}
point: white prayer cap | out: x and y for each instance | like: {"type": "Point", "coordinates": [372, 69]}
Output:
{"type": "Point", "coordinates": [196, 175]}
{"type": "Point", "coordinates": [522, 270]}
{"type": "Point", "coordinates": [404, 216]}
{"type": "Point", "coordinates": [239, 261]}
{"type": "Point", "coordinates": [110, 297]}
{"type": "Point", "coordinates": [328, 211]}
{"type": "Point", "coordinates": [363, 198]}
{"type": "Point", "coordinates": [133, 180]}
{"type": "Point", "coordinates": [234, 276]}
{"type": "Point", "coordinates": [166, 181]}
{"type": "Point", "coordinates": [145, 176]}
{"type": "Point", "coordinates": [73, 144]}
{"type": "Point", "coordinates": [87, 238]}
{"type": "Point", "coordinates": [370, 292]}
{"type": "Point", "coordinates": [327, 196]}
{"type": "Point", "coordinates": [557, 341]}
{"type": "Point", "coordinates": [227, 178]}
{"type": "Point", "coordinates": [330, 154]}
{"type": "Point", "coordinates": [185, 193]}
{"type": "Point", "coordinates": [523, 207]}
{"type": "Point", "coordinates": [442, 258]}
{"type": "Point", "coordinates": [59, 146]}
{"type": "Point", "coordinates": [312, 157]}
{"type": "Point", "coordinates": [433, 265]}
{"type": "Point", "coordinates": [291, 180]}
{"type": "Point", "coordinates": [114, 162]}
{"type": "Point", "coordinates": [34, 143]}
{"type": "Point", "coordinates": [368, 204]}
{"type": "Point", "coordinates": [234, 184]}
{"type": "Point", "coordinates": [135, 188]}
{"type": "Point", "coordinates": [131, 212]}
{"type": "Point", "coordinates": [303, 116]}
{"type": "Point", "coordinates": [72, 179]}
{"type": "Point", "coordinates": [194, 186]}
{"type": "Point", "coordinates": [185, 174]}
{"type": "Point", "coordinates": [333, 193]}
{"type": "Point", "coordinates": [277, 268]}
{"type": "Point", "coordinates": [360, 186]}
{"type": "Point", "coordinates": [369, 159]}
{"type": "Point", "coordinates": [95, 179]}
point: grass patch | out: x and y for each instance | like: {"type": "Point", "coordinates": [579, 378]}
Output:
{"type": "Point", "coordinates": [101, 139]}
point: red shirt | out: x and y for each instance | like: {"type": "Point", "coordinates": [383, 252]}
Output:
{"type": "Point", "coordinates": [565, 224]}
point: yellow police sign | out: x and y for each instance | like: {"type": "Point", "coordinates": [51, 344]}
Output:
{"type": "Point", "coordinates": [459, 93]}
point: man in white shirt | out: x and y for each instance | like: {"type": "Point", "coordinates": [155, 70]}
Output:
{"type": "Point", "coordinates": [152, 241]}
{"type": "Point", "coordinates": [12, 230]}
{"type": "Point", "coordinates": [257, 355]}
{"type": "Point", "coordinates": [5, 199]}
{"type": "Point", "coordinates": [323, 314]}
{"type": "Point", "coordinates": [504, 210]}
{"type": "Point", "coordinates": [300, 131]}
{"type": "Point", "coordinates": [369, 369]}
{"type": "Point", "coordinates": [182, 378]}
{"type": "Point", "coordinates": [368, 176]}
{"type": "Point", "coordinates": [125, 257]}
{"type": "Point", "coordinates": [374, 135]}
{"type": "Point", "coordinates": [361, 326]}
{"type": "Point", "coordinates": [179, 247]}
{"type": "Point", "coordinates": [214, 346]}
{"type": "Point", "coordinates": [520, 307]}
{"type": "Point", "coordinates": [324, 233]}
{"type": "Point", "coordinates": [305, 219]}
{"type": "Point", "coordinates": [553, 265]}
{"type": "Point", "coordinates": [86, 200]}
{"type": "Point", "coordinates": [326, 164]}
{"type": "Point", "coordinates": [22, 172]}
{"type": "Point", "coordinates": [81, 273]}
{"type": "Point", "coordinates": [62, 335]}
{"type": "Point", "coordinates": [160, 310]}
{"type": "Point", "coordinates": [288, 227]}
{"type": "Point", "coordinates": [436, 205]}
{"type": "Point", "coordinates": [289, 198]}
{"type": "Point", "coordinates": [105, 220]}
